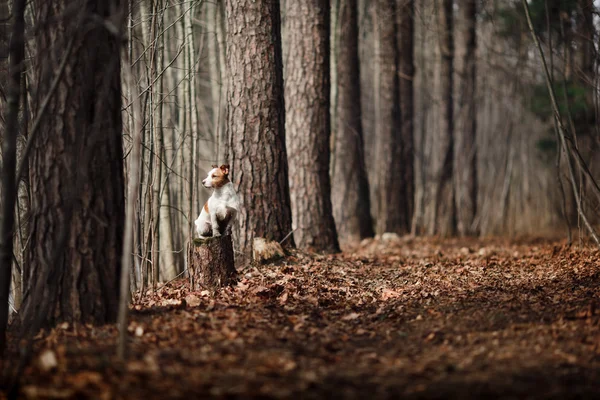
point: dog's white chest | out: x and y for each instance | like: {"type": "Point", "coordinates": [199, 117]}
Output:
{"type": "Point", "coordinates": [224, 196]}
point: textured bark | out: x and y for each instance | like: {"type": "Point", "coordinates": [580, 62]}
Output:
{"type": "Point", "coordinates": [4, 37]}
{"type": "Point", "coordinates": [169, 269]}
{"type": "Point", "coordinates": [211, 263]}
{"type": "Point", "coordinates": [9, 162]}
{"type": "Point", "coordinates": [367, 48]}
{"type": "Point", "coordinates": [465, 151]}
{"type": "Point", "coordinates": [439, 216]}
{"type": "Point", "coordinates": [444, 222]}
{"type": "Point", "coordinates": [165, 256]}
{"type": "Point", "coordinates": [308, 124]}
{"type": "Point", "coordinates": [406, 25]}
{"type": "Point", "coordinates": [586, 56]}
{"type": "Point", "coordinates": [76, 171]}
{"type": "Point", "coordinates": [350, 187]}
{"type": "Point", "coordinates": [215, 42]}
{"type": "Point", "coordinates": [255, 122]}
{"type": "Point", "coordinates": [391, 210]}
{"type": "Point", "coordinates": [423, 104]}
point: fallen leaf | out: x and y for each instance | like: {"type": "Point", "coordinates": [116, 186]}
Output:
{"type": "Point", "coordinates": [192, 300]}
{"type": "Point", "coordinates": [47, 360]}
{"type": "Point", "coordinates": [350, 317]}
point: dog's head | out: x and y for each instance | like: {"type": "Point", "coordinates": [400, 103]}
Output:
{"type": "Point", "coordinates": [217, 177]}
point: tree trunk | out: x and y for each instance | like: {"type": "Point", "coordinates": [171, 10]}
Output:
{"type": "Point", "coordinates": [77, 211]}
{"type": "Point", "coordinates": [440, 216]}
{"type": "Point", "coordinates": [350, 187]}
{"type": "Point", "coordinates": [391, 210]}
{"type": "Point", "coordinates": [367, 49]}
{"type": "Point", "coordinates": [586, 37]}
{"type": "Point", "coordinates": [211, 263]}
{"type": "Point", "coordinates": [167, 260]}
{"type": "Point", "coordinates": [214, 18]}
{"type": "Point", "coordinates": [586, 55]}
{"type": "Point", "coordinates": [308, 124]}
{"type": "Point", "coordinates": [168, 269]}
{"type": "Point", "coordinates": [255, 122]}
{"type": "Point", "coordinates": [221, 37]}
{"type": "Point", "coordinates": [406, 13]}
{"type": "Point", "coordinates": [5, 24]}
{"type": "Point", "coordinates": [422, 120]}
{"type": "Point", "coordinates": [465, 151]}
{"type": "Point", "coordinates": [9, 162]}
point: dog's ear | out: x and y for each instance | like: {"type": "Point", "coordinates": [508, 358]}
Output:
{"type": "Point", "coordinates": [215, 166]}
{"type": "Point", "coordinates": [225, 169]}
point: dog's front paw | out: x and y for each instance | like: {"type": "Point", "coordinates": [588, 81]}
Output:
{"type": "Point", "coordinates": [216, 233]}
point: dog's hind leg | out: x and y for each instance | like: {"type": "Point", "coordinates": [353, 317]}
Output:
{"type": "Point", "coordinates": [205, 230]}
{"type": "Point", "coordinates": [224, 217]}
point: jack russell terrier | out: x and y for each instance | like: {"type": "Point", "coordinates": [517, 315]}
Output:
{"type": "Point", "coordinates": [219, 212]}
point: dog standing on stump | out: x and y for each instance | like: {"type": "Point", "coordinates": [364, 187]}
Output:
{"type": "Point", "coordinates": [219, 212]}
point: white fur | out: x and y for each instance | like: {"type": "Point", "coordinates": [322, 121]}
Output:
{"type": "Point", "coordinates": [224, 200]}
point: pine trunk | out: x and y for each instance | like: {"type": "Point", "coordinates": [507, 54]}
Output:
{"type": "Point", "coordinates": [255, 122]}
{"type": "Point", "coordinates": [440, 216]}
{"type": "Point", "coordinates": [406, 24]}
{"type": "Point", "coordinates": [391, 210]}
{"type": "Point", "coordinates": [350, 187]}
{"type": "Point", "coordinates": [9, 162]}
{"type": "Point", "coordinates": [465, 151]}
{"type": "Point", "coordinates": [308, 124]}
{"type": "Point", "coordinates": [214, 12]}
{"type": "Point", "coordinates": [76, 170]}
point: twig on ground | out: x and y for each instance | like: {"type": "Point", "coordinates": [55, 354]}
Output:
{"type": "Point", "coordinates": [288, 235]}
{"type": "Point", "coordinates": [177, 276]}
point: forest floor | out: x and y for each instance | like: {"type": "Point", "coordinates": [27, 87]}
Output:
{"type": "Point", "coordinates": [409, 318]}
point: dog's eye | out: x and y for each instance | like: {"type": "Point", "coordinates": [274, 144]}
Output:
{"type": "Point", "coordinates": [214, 176]}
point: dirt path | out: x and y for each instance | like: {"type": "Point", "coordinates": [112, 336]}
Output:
{"type": "Point", "coordinates": [412, 318]}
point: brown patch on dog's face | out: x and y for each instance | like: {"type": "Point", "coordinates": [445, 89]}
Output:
{"type": "Point", "coordinates": [220, 177]}
{"type": "Point", "coordinates": [217, 177]}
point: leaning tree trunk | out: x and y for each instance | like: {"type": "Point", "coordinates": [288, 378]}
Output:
{"type": "Point", "coordinates": [465, 152]}
{"type": "Point", "coordinates": [391, 210]}
{"type": "Point", "coordinates": [308, 124]}
{"type": "Point", "coordinates": [406, 25]}
{"type": "Point", "coordinates": [350, 187]}
{"type": "Point", "coordinates": [255, 122]}
{"type": "Point", "coordinates": [77, 213]}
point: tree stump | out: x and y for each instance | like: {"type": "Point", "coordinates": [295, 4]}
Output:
{"type": "Point", "coordinates": [211, 263]}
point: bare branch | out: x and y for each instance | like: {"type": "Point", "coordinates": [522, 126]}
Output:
{"type": "Point", "coordinates": [566, 141]}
